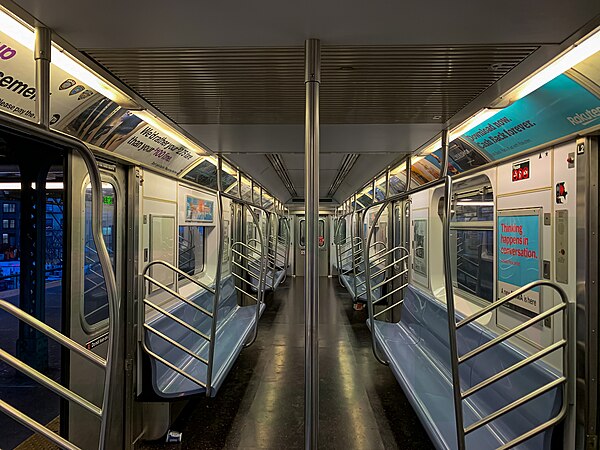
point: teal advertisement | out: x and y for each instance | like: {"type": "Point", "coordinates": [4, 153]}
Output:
{"type": "Point", "coordinates": [519, 257]}
{"type": "Point", "coordinates": [557, 109]}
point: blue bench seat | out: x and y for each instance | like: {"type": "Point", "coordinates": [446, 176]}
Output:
{"type": "Point", "coordinates": [270, 284]}
{"type": "Point", "coordinates": [279, 277]}
{"type": "Point", "coordinates": [417, 349]}
{"type": "Point", "coordinates": [234, 327]}
{"type": "Point", "coordinates": [360, 295]}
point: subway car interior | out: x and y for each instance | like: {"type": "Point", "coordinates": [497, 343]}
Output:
{"type": "Point", "coordinates": [313, 225]}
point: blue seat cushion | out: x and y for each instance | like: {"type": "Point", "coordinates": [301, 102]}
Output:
{"type": "Point", "coordinates": [234, 325]}
{"type": "Point", "coordinates": [417, 349]}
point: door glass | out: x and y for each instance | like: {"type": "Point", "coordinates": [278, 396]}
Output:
{"type": "Point", "coordinates": [302, 233]}
{"type": "Point", "coordinates": [321, 233]}
{"type": "Point", "coordinates": [191, 250]}
{"type": "Point", "coordinates": [95, 297]}
{"type": "Point", "coordinates": [17, 251]}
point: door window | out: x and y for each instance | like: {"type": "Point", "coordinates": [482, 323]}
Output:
{"type": "Point", "coordinates": [302, 233]}
{"type": "Point", "coordinates": [321, 233]}
{"type": "Point", "coordinates": [95, 296]}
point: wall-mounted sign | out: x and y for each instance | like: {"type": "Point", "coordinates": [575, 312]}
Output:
{"type": "Point", "coordinates": [97, 341]}
{"type": "Point", "coordinates": [520, 171]}
{"type": "Point", "coordinates": [85, 114]}
{"type": "Point", "coordinates": [199, 209]}
{"type": "Point", "coordinates": [561, 193]}
{"type": "Point", "coordinates": [153, 147]}
{"type": "Point", "coordinates": [519, 257]}
{"type": "Point", "coordinates": [420, 246]}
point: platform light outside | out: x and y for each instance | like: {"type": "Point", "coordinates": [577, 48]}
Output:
{"type": "Point", "coordinates": [16, 186]}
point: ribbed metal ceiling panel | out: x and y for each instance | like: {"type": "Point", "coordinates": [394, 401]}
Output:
{"type": "Point", "coordinates": [264, 85]}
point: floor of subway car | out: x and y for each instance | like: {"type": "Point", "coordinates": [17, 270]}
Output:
{"type": "Point", "coordinates": [260, 405]}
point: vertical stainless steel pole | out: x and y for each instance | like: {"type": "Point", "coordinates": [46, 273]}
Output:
{"type": "Point", "coordinates": [43, 38]}
{"type": "Point", "coordinates": [445, 153]}
{"type": "Point", "coordinates": [312, 79]}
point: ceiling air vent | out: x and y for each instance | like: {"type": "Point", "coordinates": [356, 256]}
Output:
{"type": "Point", "coordinates": [347, 164]}
{"type": "Point", "coordinates": [279, 167]}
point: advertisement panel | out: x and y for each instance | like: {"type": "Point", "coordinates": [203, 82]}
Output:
{"type": "Point", "coordinates": [559, 108]}
{"type": "Point", "coordinates": [519, 257]}
{"type": "Point", "coordinates": [17, 78]}
{"type": "Point", "coordinates": [420, 246]}
{"type": "Point", "coordinates": [199, 210]}
{"type": "Point", "coordinates": [82, 112]}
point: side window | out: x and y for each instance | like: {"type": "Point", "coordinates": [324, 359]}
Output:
{"type": "Point", "coordinates": [191, 249]}
{"type": "Point", "coordinates": [472, 239]}
{"type": "Point", "coordinates": [95, 297]}
{"type": "Point", "coordinates": [341, 231]}
{"type": "Point", "coordinates": [420, 247]}
{"type": "Point", "coordinates": [281, 230]}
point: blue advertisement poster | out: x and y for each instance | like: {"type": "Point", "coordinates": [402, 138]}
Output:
{"type": "Point", "coordinates": [519, 257]}
{"type": "Point", "coordinates": [557, 109]}
{"type": "Point", "coordinates": [198, 209]}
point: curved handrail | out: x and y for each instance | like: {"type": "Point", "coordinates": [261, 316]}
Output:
{"type": "Point", "coordinates": [114, 304]}
{"type": "Point", "coordinates": [287, 247]}
{"type": "Point", "coordinates": [261, 281]}
{"type": "Point", "coordinates": [370, 306]}
{"type": "Point", "coordinates": [178, 271]}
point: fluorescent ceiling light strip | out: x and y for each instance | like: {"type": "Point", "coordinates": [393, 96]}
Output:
{"type": "Point", "coordinates": [576, 54]}
{"type": "Point", "coordinates": [76, 69]}
{"type": "Point", "coordinates": [25, 35]}
{"type": "Point", "coordinates": [17, 30]}
{"type": "Point", "coordinates": [473, 121]}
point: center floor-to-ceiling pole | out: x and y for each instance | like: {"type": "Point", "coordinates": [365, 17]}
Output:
{"type": "Point", "coordinates": [312, 79]}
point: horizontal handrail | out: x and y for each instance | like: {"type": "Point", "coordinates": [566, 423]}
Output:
{"type": "Point", "coordinates": [49, 383]}
{"type": "Point", "coordinates": [52, 333]}
{"type": "Point", "coordinates": [175, 343]}
{"type": "Point", "coordinates": [172, 366]}
{"type": "Point", "coordinates": [383, 311]}
{"type": "Point", "coordinates": [248, 247]}
{"type": "Point", "coordinates": [34, 425]}
{"type": "Point", "coordinates": [529, 434]}
{"type": "Point", "coordinates": [507, 298]}
{"type": "Point", "coordinates": [246, 269]}
{"type": "Point", "coordinates": [512, 332]}
{"type": "Point", "coordinates": [247, 294]}
{"type": "Point", "coordinates": [178, 271]}
{"type": "Point", "coordinates": [383, 297]}
{"type": "Point", "coordinates": [524, 362]}
{"type": "Point", "coordinates": [179, 296]}
{"type": "Point", "coordinates": [389, 266]}
{"type": "Point", "coordinates": [244, 280]}
{"type": "Point", "coordinates": [521, 401]}
{"type": "Point", "coordinates": [183, 323]}
{"type": "Point", "coordinates": [392, 278]}
{"type": "Point", "coordinates": [562, 380]}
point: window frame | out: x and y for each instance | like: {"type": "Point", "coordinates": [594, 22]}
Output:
{"type": "Point", "coordinates": [482, 225]}
{"type": "Point", "coordinates": [87, 327]}
{"type": "Point", "coordinates": [196, 272]}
